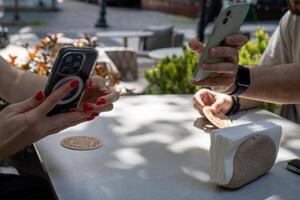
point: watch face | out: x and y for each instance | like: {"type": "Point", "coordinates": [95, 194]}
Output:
{"type": "Point", "coordinates": [244, 76]}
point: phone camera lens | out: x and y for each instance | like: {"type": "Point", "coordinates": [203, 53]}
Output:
{"type": "Point", "coordinates": [225, 21]}
{"type": "Point", "coordinates": [228, 13]}
{"type": "Point", "coordinates": [65, 70]}
{"type": "Point", "coordinates": [69, 59]}
{"type": "Point", "coordinates": [77, 64]}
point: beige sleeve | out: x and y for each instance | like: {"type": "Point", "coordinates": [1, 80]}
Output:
{"type": "Point", "coordinates": [277, 51]}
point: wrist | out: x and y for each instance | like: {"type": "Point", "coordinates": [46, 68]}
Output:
{"type": "Point", "coordinates": [242, 81]}
{"type": "Point", "coordinates": [235, 106]}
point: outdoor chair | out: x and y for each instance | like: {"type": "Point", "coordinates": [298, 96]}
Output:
{"type": "Point", "coordinates": [125, 60]}
{"type": "Point", "coordinates": [163, 37]}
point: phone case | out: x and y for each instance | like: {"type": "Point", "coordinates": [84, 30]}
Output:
{"type": "Point", "coordinates": [72, 63]}
{"type": "Point", "coordinates": [227, 23]}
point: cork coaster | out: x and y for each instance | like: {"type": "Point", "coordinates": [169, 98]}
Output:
{"type": "Point", "coordinates": [254, 158]}
{"type": "Point", "coordinates": [83, 143]}
{"type": "Point", "coordinates": [217, 119]}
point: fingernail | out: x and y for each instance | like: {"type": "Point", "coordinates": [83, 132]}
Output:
{"type": "Point", "coordinates": [106, 91]}
{"type": "Point", "coordinates": [100, 101]}
{"type": "Point", "coordinates": [230, 39]}
{"type": "Point", "coordinates": [87, 107]}
{"type": "Point", "coordinates": [204, 66]}
{"type": "Point", "coordinates": [39, 96]}
{"type": "Point", "coordinates": [94, 115]}
{"type": "Point", "coordinates": [90, 83]}
{"type": "Point", "coordinates": [214, 51]}
{"type": "Point", "coordinates": [90, 118]}
{"type": "Point", "coordinates": [74, 83]}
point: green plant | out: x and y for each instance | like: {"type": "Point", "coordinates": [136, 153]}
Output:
{"type": "Point", "coordinates": [250, 55]}
{"type": "Point", "coordinates": [172, 75]}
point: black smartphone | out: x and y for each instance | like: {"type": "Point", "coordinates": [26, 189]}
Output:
{"type": "Point", "coordinates": [294, 166]}
{"type": "Point", "coordinates": [72, 63]}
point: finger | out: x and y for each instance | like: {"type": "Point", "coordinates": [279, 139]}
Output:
{"type": "Point", "coordinates": [29, 104]}
{"type": "Point", "coordinates": [237, 40]}
{"type": "Point", "coordinates": [199, 109]}
{"type": "Point", "coordinates": [104, 108]}
{"type": "Point", "coordinates": [60, 121]}
{"type": "Point", "coordinates": [56, 130]}
{"type": "Point", "coordinates": [108, 99]}
{"type": "Point", "coordinates": [52, 100]}
{"type": "Point", "coordinates": [196, 46]}
{"type": "Point", "coordinates": [218, 105]}
{"type": "Point", "coordinates": [197, 99]}
{"type": "Point", "coordinates": [96, 83]}
{"type": "Point", "coordinates": [223, 52]}
{"type": "Point", "coordinates": [229, 68]}
{"type": "Point", "coordinates": [221, 80]}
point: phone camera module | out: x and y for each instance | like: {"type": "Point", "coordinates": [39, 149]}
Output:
{"type": "Point", "coordinates": [225, 21]}
{"type": "Point", "coordinates": [228, 13]}
{"type": "Point", "coordinates": [69, 59]}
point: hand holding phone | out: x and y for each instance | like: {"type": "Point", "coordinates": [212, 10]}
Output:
{"type": "Point", "coordinates": [227, 23]}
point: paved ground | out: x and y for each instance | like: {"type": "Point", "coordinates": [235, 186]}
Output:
{"type": "Point", "coordinates": [76, 17]}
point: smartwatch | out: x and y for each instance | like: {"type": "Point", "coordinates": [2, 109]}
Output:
{"type": "Point", "coordinates": [242, 80]}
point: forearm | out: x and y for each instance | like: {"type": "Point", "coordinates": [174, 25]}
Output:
{"type": "Point", "coordinates": [278, 84]}
{"type": "Point", "coordinates": [246, 104]}
{"type": "Point", "coordinates": [17, 85]}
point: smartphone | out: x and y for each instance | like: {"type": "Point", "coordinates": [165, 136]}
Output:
{"type": "Point", "coordinates": [228, 22]}
{"type": "Point", "coordinates": [294, 166]}
{"type": "Point", "coordinates": [72, 63]}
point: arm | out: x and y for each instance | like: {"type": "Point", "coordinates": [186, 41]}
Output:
{"type": "Point", "coordinates": [278, 84]}
{"type": "Point", "coordinates": [13, 79]}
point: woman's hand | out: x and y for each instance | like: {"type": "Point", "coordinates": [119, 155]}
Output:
{"type": "Point", "coordinates": [97, 97]}
{"type": "Point", "coordinates": [227, 70]}
{"type": "Point", "coordinates": [26, 122]}
{"type": "Point", "coordinates": [217, 101]}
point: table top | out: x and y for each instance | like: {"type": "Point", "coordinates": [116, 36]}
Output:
{"type": "Point", "coordinates": [112, 34]}
{"type": "Point", "coordinates": [152, 151]}
{"type": "Point", "coordinates": [160, 54]}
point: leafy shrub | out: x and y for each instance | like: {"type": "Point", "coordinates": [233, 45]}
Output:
{"type": "Point", "coordinates": [172, 75]}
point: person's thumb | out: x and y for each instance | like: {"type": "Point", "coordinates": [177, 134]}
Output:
{"type": "Point", "coordinates": [218, 105]}
{"type": "Point", "coordinates": [29, 103]}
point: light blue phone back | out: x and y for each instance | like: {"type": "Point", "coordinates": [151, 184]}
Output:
{"type": "Point", "coordinates": [235, 14]}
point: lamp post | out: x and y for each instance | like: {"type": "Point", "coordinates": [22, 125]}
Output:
{"type": "Point", "coordinates": [101, 23]}
{"type": "Point", "coordinates": [17, 15]}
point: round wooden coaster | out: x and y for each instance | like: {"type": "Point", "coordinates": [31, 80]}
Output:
{"type": "Point", "coordinates": [81, 143]}
{"type": "Point", "coordinates": [217, 119]}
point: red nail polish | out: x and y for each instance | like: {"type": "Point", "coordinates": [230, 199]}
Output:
{"type": "Point", "coordinates": [87, 107]}
{"type": "Point", "coordinates": [100, 101]}
{"type": "Point", "coordinates": [90, 118]}
{"type": "Point", "coordinates": [39, 96]}
{"type": "Point", "coordinates": [90, 83]}
{"type": "Point", "coordinates": [74, 83]}
{"type": "Point", "coordinates": [94, 115]}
